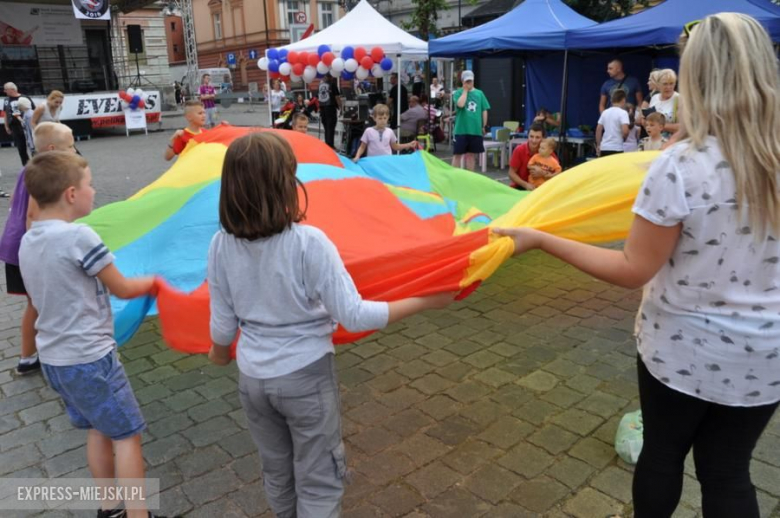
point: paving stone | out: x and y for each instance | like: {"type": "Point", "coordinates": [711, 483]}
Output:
{"type": "Point", "coordinates": [453, 430]}
{"type": "Point", "coordinates": [367, 350]}
{"type": "Point", "coordinates": [456, 502]}
{"type": "Point", "coordinates": [217, 387]}
{"type": "Point", "coordinates": [483, 359]}
{"type": "Point", "coordinates": [408, 352]}
{"type": "Point", "coordinates": [202, 460]}
{"type": "Point", "coordinates": [388, 381]}
{"type": "Point", "coordinates": [595, 453]}
{"type": "Point", "coordinates": [210, 431]}
{"type": "Point", "coordinates": [539, 494]}
{"type": "Point", "coordinates": [40, 412]}
{"type": "Point", "coordinates": [358, 490]}
{"type": "Point", "coordinates": [506, 350]}
{"type": "Point", "coordinates": [536, 411]}
{"type": "Point", "coordinates": [431, 384]}
{"type": "Point", "coordinates": [239, 444]}
{"type": "Point", "coordinates": [492, 483]}
{"type": "Point", "coordinates": [439, 358]}
{"type": "Point", "coordinates": [380, 363]}
{"type": "Point", "coordinates": [21, 385]}
{"type": "Point", "coordinates": [455, 371]}
{"type": "Point", "coordinates": [374, 440]}
{"type": "Point", "coordinates": [191, 362]}
{"type": "Point", "coordinates": [468, 391]}
{"type": "Point", "coordinates": [159, 374]}
{"type": "Point", "coordinates": [354, 376]}
{"type": "Point", "coordinates": [173, 502]}
{"type": "Point", "coordinates": [66, 462]}
{"type": "Point", "coordinates": [765, 477]}
{"type": "Point", "coordinates": [346, 360]}
{"type": "Point", "coordinates": [471, 455]}
{"type": "Point", "coordinates": [527, 460]}
{"type": "Point", "coordinates": [572, 472]}
{"type": "Point", "coordinates": [385, 466]}
{"type": "Point", "coordinates": [210, 486]}
{"type": "Point", "coordinates": [767, 450]}
{"type": "Point", "coordinates": [589, 503]}
{"type": "Point", "coordinates": [62, 442]}
{"type": "Point", "coordinates": [422, 449]}
{"type": "Point", "coordinates": [152, 393]}
{"type": "Point", "coordinates": [163, 450]}
{"type": "Point", "coordinates": [408, 422]}
{"type": "Point", "coordinates": [434, 341]}
{"type": "Point", "coordinates": [369, 413]}
{"type": "Point", "coordinates": [562, 396]}
{"type": "Point", "coordinates": [397, 500]}
{"type": "Point", "coordinates": [168, 474]}
{"type": "Point", "coordinates": [248, 468]}
{"type": "Point", "coordinates": [563, 368]}
{"type": "Point", "coordinates": [577, 421]}
{"type": "Point", "coordinates": [614, 482]}
{"type": "Point", "coordinates": [438, 407]}
{"type": "Point", "coordinates": [18, 458]}
{"type": "Point", "coordinates": [415, 369]}
{"type": "Point", "coordinates": [8, 423]}
{"type": "Point", "coordinates": [538, 381]}
{"type": "Point", "coordinates": [392, 339]}
{"type": "Point", "coordinates": [511, 396]}
{"type": "Point", "coordinates": [208, 410]}
{"type": "Point", "coordinates": [553, 439]}
{"type": "Point", "coordinates": [170, 425]}
{"type": "Point", "coordinates": [24, 435]}
{"type": "Point", "coordinates": [495, 377]}
{"type": "Point", "coordinates": [401, 399]}
{"type": "Point", "coordinates": [506, 432]}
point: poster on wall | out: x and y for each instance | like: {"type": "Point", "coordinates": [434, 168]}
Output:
{"type": "Point", "coordinates": [38, 24]}
{"type": "Point", "coordinates": [91, 9]}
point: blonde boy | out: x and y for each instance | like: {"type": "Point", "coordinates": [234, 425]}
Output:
{"type": "Point", "coordinates": [68, 273]}
{"type": "Point", "coordinates": [546, 164]}
{"type": "Point", "coordinates": [300, 123]}
{"type": "Point", "coordinates": [654, 125]}
{"type": "Point", "coordinates": [380, 140]}
{"type": "Point", "coordinates": [195, 114]}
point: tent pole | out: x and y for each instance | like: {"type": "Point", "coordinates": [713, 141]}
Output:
{"type": "Point", "coordinates": [564, 94]}
{"type": "Point", "coordinates": [399, 84]}
{"type": "Point", "coordinates": [268, 93]}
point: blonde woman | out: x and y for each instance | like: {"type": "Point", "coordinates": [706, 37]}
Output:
{"type": "Point", "coordinates": [50, 110]}
{"type": "Point", "coordinates": [667, 101]}
{"type": "Point", "coordinates": [705, 244]}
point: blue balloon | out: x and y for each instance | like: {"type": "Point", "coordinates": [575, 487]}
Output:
{"type": "Point", "coordinates": [347, 75]}
{"type": "Point", "coordinates": [386, 64]}
{"type": "Point", "coordinates": [320, 76]}
{"type": "Point", "coordinates": [273, 54]}
{"type": "Point", "coordinates": [273, 65]}
{"type": "Point", "coordinates": [322, 49]}
{"type": "Point", "coordinates": [347, 53]}
{"type": "Point", "coordinates": [282, 55]}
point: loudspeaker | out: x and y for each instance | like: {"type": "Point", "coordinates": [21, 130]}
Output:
{"type": "Point", "coordinates": [135, 39]}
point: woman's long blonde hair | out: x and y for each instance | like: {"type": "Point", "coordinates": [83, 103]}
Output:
{"type": "Point", "coordinates": [729, 82]}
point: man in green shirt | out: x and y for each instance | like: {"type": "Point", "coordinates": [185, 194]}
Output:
{"type": "Point", "coordinates": [471, 111]}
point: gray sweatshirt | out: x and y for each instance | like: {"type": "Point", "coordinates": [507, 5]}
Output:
{"type": "Point", "coordinates": [285, 293]}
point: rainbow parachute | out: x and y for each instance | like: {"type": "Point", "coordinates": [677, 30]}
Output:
{"type": "Point", "coordinates": [404, 225]}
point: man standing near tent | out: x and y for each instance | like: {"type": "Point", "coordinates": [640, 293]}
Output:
{"type": "Point", "coordinates": [392, 100]}
{"type": "Point", "coordinates": [471, 113]}
{"type": "Point", "coordinates": [618, 80]}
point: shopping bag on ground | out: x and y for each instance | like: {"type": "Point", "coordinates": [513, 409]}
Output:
{"type": "Point", "coordinates": [628, 439]}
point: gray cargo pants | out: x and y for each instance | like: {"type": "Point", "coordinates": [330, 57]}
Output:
{"type": "Point", "coordinates": [295, 421]}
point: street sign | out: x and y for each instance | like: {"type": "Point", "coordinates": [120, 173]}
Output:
{"type": "Point", "coordinates": [300, 17]}
{"type": "Point", "coordinates": [231, 58]}
{"type": "Point", "coordinates": [253, 54]}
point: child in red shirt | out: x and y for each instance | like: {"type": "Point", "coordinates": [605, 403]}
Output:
{"type": "Point", "coordinates": [195, 114]}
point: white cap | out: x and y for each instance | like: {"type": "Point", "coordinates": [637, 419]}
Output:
{"type": "Point", "coordinates": [467, 75]}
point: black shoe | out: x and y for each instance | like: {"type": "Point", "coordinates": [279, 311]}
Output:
{"type": "Point", "coordinates": [112, 513]}
{"type": "Point", "coordinates": [23, 369]}
{"type": "Point", "coordinates": [4, 194]}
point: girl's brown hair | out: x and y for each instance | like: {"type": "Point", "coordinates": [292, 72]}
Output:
{"type": "Point", "coordinates": [259, 190]}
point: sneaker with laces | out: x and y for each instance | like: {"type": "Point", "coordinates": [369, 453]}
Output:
{"type": "Point", "coordinates": [25, 368]}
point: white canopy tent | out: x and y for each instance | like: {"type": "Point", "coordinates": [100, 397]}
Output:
{"type": "Point", "coordinates": [363, 26]}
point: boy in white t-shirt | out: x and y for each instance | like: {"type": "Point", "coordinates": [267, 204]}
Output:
{"type": "Point", "coordinates": [612, 129]}
{"type": "Point", "coordinates": [380, 140]}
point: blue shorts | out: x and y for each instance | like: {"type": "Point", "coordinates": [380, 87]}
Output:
{"type": "Point", "coordinates": [469, 144]}
{"type": "Point", "coordinates": [98, 395]}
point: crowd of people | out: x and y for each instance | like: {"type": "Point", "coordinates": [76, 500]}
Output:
{"type": "Point", "coordinates": [704, 244]}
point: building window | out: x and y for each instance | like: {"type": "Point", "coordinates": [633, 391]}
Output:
{"type": "Point", "coordinates": [327, 14]}
{"type": "Point", "coordinates": [175, 48]}
{"type": "Point", "coordinates": [287, 10]}
{"type": "Point", "coordinates": [173, 26]}
{"type": "Point", "coordinates": [293, 6]}
{"type": "Point", "coordinates": [217, 17]}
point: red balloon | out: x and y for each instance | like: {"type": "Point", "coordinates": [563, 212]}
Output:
{"type": "Point", "coordinates": [313, 59]}
{"type": "Point", "coordinates": [292, 57]}
{"type": "Point", "coordinates": [274, 75]}
{"type": "Point", "coordinates": [328, 58]}
{"type": "Point", "coordinates": [303, 57]}
{"type": "Point", "coordinates": [360, 53]}
{"type": "Point", "coordinates": [367, 62]}
{"type": "Point", "coordinates": [377, 54]}
{"type": "Point", "coordinates": [298, 69]}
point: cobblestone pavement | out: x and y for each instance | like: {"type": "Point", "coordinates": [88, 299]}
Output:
{"type": "Point", "coordinates": [504, 405]}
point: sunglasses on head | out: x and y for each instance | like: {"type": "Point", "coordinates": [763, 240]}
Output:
{"type": "Point", "coordinates": [688, 27]}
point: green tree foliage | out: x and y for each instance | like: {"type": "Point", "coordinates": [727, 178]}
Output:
{"type": "Point", "coordinates": [604, 10]}
{"type": "Point", "coordinates": [424, 17]}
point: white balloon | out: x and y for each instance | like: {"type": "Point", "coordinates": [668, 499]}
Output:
{"type": "Point", "coordinates": [262, 63]}
{"type": "Point", "coordinates": [335, 74]}
{"type": "Point", "coordinates": [395, 67]}
{"type": "Point", "coordinates": [309, 73]}
{"type": "Point", "coordinates": [139, 92]}
{"type": "Point", "coordinates": [322, 68]}
{"type": "Point", "coordinates": [337, 65]}
{"type": "Point", "coordinates": [377, 71]}
{"type": "Point", "coordinates": [285, 69]}
{"type": "Point", "coordinates": [294, 78]}
{"type": "Point", "coordinates": [361, 73]}
{"type": "Point", "coordinates": [351, 65]}
{"type": "Point", "coordinates": [130, 91]}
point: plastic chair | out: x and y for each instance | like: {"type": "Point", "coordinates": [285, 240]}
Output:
{"type": "Point", "coordinates": [500, 144]}
{"type": "Point", "coordinates": [512, 125]}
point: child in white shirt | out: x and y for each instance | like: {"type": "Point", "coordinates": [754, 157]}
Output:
{"type": "Point", "coordinates": [380, 140]}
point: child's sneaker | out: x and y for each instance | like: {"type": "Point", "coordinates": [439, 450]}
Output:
{"type": "Point", "coordinates": [26, 367]}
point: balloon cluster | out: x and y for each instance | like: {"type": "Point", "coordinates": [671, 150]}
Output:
{"type": "Point", "coordinates": [133, 98]}
{"type": "Point", "coordinates": [351, 62]}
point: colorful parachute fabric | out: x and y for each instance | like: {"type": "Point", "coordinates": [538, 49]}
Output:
{"type": "Point", "coordinates": [404, 225]}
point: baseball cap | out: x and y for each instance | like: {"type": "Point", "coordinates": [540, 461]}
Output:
{"type": "Point", "coordinates": [467, 75]}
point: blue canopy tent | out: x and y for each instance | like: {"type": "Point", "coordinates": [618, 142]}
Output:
{"type": "Point", "coordinates": [662, 24]}
{"type": "Point", "coordinates": [534, 25]}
